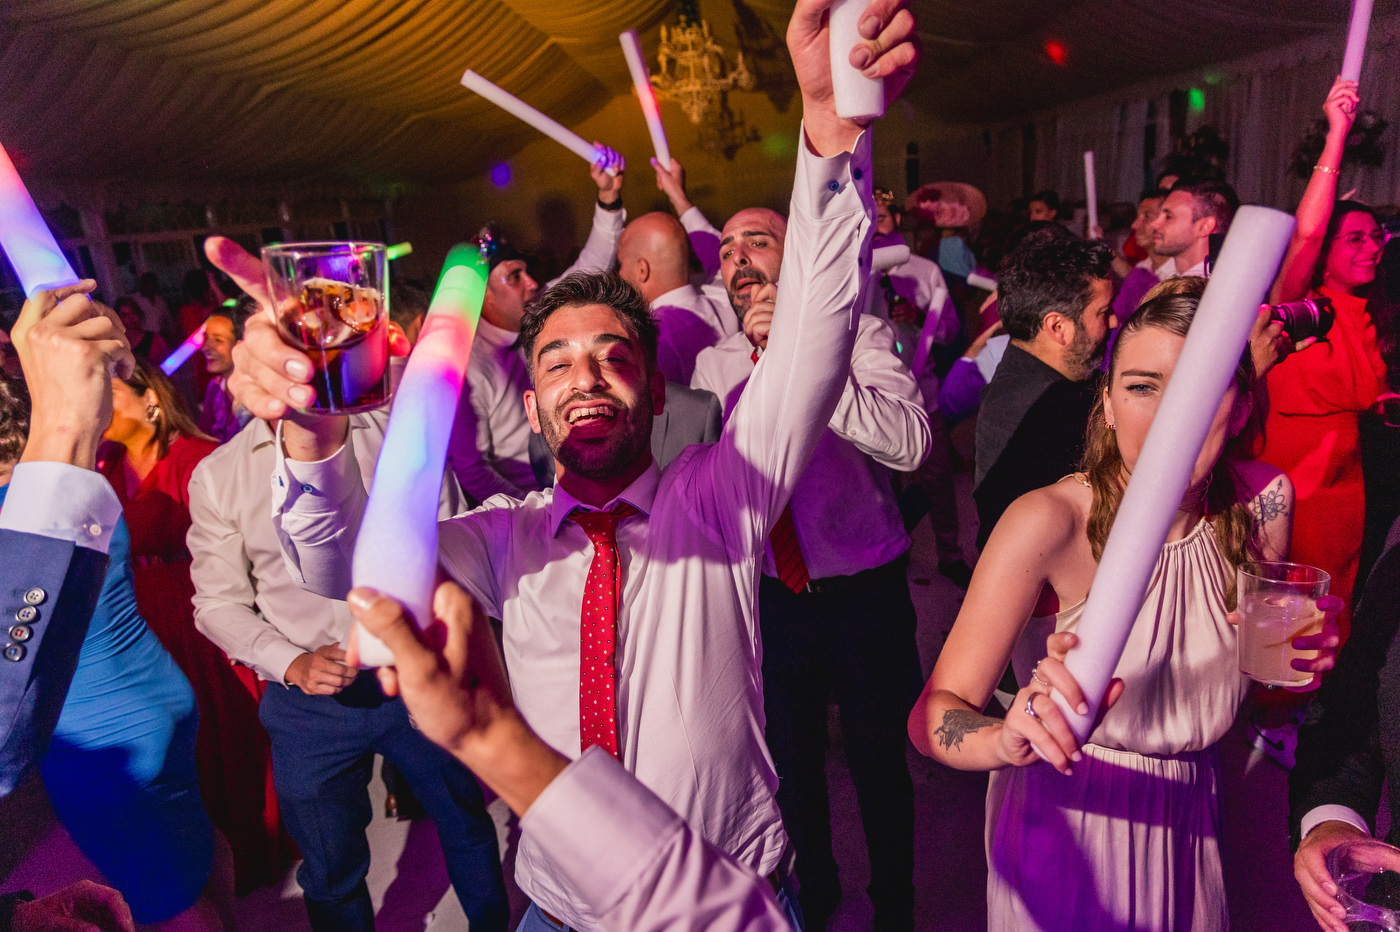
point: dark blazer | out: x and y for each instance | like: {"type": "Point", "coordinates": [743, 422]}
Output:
{"type": "Point", "coordinates": [48, 591]}
{"type": "Point", "coordinates": [692, 415]}
{"type": "Point", "coordinates": [1351, 737]}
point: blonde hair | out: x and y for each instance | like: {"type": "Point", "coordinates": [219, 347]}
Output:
{"type": "Point", "coordinates": [1171, 306]}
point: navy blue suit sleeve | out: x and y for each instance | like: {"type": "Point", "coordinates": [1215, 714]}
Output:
{"type": "Point", "coordinates": [48, 591]}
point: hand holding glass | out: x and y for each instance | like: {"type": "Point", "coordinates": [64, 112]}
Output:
{"type": "Point", "coordinates": [1277, 603]}
{"type": "Point", "coordinates": [331, 302]}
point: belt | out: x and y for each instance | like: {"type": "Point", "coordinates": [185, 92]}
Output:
{"type": "Point", "coordinates": [831, 585]}
{"type": "Point", "coordinates": [772, 878]}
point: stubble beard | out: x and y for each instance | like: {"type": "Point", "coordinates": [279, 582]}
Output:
{"type": "Point", "coordinates": [600, 461]}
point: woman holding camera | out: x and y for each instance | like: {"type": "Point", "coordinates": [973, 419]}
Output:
{"type": "Point", "coordinates": [1316, 397]}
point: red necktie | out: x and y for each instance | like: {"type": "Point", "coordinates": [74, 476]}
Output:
{"type": "Point", "coordinates": [787, 555]}
{"type": "Point", "coordinates": [597, 693]}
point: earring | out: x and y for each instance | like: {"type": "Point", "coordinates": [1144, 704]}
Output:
{"type": "Point", "coordinates": [152, 413]}
{"type": "Point", "coordinates": [1109, 424]}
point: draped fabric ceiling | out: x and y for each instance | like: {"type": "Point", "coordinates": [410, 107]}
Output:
{"type": "Point", "coordinates": [367, 90]}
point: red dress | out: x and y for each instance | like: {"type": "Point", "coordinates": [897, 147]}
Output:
{"type": "Point", "coordinates": [1316, 398]}
{"type": "Point", "coordinates": [233, 754]}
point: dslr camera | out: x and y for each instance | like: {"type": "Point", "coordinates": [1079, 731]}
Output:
{"type": "Point", "coordinates": [1310, 317]}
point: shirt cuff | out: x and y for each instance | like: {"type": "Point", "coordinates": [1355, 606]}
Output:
{"type": "Point", "coordinates": [695, 222]}
{"type": "Point", "coordinates": [836, 186]}
{"type": "Point", "coordinates": [62, 501]}
{"type": "Point", "coordinates": [312, 487]}
{"type": "Point", "coordinates": [575, 822]}
{"type": "Point", "coordinates": [1332, 813]}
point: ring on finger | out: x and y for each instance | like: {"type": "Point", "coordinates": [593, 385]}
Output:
{"type": "Point", "coordinates": [1035, 675]}
{"type": "Point", "coordinates": [1030, 706]}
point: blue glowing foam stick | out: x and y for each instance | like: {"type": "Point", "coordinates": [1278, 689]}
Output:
{"type": "Point", "coordinates": [396, 551]}
{"type": "Point", "coordinates": [184, 351]}
{"type": "Point", "coordinates": [26, 239]}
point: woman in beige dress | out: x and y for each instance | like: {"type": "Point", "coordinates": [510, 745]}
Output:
{"type": "Point", "coordinates": [1121, 833]}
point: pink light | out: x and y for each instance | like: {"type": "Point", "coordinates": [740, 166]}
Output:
{"type": "Point", "coordinates": [26, 238]}
{"type": "Point", "coordinates": [183, 352]}
{"type": "Point", "coordinates": [1057, 53]}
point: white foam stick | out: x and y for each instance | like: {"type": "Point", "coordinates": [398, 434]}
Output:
{"type": "Point", "coordinates": [520, 109]}
{"type": "Point", "coordinates": [884, 258]}
{"type": "Point", "coordinates": [26, 238]}
{"type": "Point", "coordinates": [1091, 193]}
{"type": "Point", "coordinates": [396, 550]}
{"type": "Point", "coordinates": [978, 280]}
{"type": "Point", "coordinates": [1356, 40]}
{"type": "Point", "coordinates": [646, 95]}
{"type": "Point", "coordinates": [857, 97]}
{"type": "Point", "coordinates": [1248, 262]}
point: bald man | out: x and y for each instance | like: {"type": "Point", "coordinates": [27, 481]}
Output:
{"type": "Point", "coordinates": [654, 255]}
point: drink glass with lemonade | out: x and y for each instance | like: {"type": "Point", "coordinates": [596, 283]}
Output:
{"type": "Point", "coordinates": [1277, 603]}
{"type": "Point", "coordinates": [332, 302]}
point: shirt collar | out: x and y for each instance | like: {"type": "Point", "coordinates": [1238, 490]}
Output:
{"type": "Point", "coordinates": [493, 334]}
{"type": "Point", "coordinates": [641, 495]}
{"type": "Point", "coordinates": [683, 296]}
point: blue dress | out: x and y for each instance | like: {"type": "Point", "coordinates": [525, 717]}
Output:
{"type": "Point", "coordinates": [120, 770]}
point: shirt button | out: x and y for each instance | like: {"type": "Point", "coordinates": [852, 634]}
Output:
{"type": "Point", "coordinates": [95, 530]}
{"type": "Point", "coordinates": [14, 653]}
{"type": "Point", "coordinates": [856, 174]}
{"type": "Point", "coordinates": [35, 596]}
{"type": "Point", "coordinates": [21, 633]}
{"type": "Point", "coordinates": [834, 186]}
{"type": "Point", "coordinates": [27, 615]}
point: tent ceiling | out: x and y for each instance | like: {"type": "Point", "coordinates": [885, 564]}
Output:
{"type": "Point", "coordinates": [284, 90]}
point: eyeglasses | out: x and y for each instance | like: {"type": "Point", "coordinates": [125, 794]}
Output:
{"type": "Point", "coordinates": [1356, 238]}
{"type": "Point", "coordinates": [1388, 407]}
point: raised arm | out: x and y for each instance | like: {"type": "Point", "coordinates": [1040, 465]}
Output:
{"type": "Point", "coordinates": [881, 410]}
{"type": "Point", "coordinates": [600, 249]}
{"type": "Point", "coordinates": [704, 238]}
{"type": "Point", "coordinates": [1315, 209]}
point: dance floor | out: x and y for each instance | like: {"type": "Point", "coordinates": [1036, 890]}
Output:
{"type": "Point", "coordinates": [411, 893]}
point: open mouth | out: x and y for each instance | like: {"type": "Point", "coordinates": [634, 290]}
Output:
{"type": "Point", "coordinates": [593, 414]}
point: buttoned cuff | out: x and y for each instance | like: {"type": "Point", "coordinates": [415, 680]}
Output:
{"type": "Point", "coordinates": [313, 487]}
{"type": "Point", "coordinates": [62, 501]}
{"type": "Point", "coordinates": [575, 822]}
{"type": "Point", "coordinates": [276, 658]}
{"type": "Point", "coordinates": [609, 222]}
{"type": "Point", "coordinates": [836, 186]}
{"type": "Point", "coordinates": [1332, 813]}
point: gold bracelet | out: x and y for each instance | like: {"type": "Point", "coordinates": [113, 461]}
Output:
{"type": "Point", "coordinates": [1326, 170]}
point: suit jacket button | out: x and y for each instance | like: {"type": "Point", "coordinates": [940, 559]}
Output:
{"type": "Point", "coordinates": [21, 633]}
{"type": "Point", "coordinates": [27, 615]}
{"type": "Point", "coordinates": [35, 596]}
{"type": "Point", "coordinates": [14, 653]}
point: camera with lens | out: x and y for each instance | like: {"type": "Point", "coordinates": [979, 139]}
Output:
{"type": "Point", "coordinates": [1310, 317]}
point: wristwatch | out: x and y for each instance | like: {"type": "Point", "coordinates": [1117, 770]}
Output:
{"type": "Point", "coordinates": [611, 205]}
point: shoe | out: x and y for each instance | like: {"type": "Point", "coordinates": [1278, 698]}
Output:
{"type": "Point", "coordinates": [957, 572]}
{"type": "Point", "coordinates": [1279, 744]}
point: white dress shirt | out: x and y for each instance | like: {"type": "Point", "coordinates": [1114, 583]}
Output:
{"type": "Point", "coordinates": [879, 424]}
{"type": "Point", "coordinates": [646, 870]}
{"type": "Point", "coordinates": [62, 501]}
{"type": "Point", "coordinates": [489, 450]}
{"type": "Point", "coordinates": [920, 282]}
{"type": "Point", "coordinates": [689, 689]}
{"type": "Point", "coordinates": [245, 601]}
{"type": "Point", "coordinates": [689, 321]}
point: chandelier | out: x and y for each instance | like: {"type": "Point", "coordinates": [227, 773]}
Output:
{"type": "Point", "coordinates": [693, 71]}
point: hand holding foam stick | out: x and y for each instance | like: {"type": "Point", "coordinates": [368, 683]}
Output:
{"type": "Point", "coordinates": [26, 238]}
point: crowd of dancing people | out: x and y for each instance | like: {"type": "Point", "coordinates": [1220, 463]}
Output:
{"type": "Point", "coordinates": [677, 510]}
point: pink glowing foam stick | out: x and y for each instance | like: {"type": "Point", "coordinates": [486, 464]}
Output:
{"type": "Point", "coordinates": [646, 95]}
{"type": "Point", "coordinates": [26, 238]}
{"type": "Point", "coordinates": [183, 352]}
{"type": "Point", "coordinates": [1091, 194]}
{"type": "Point", "coordinates": [1356, 40]}
{"type": "Point", "coordinates": [396, 551]}
{"type": "Point", "coordinates": [857, 97]}
{"type": "Point", "coordinates": [1248, 262]}
{"type": "Point", "coordinates": [523, 111]}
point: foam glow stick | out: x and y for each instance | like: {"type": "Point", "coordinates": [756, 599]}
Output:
{"type": "Point", "coordinates": [1091, 192]}
{"type": "Point", "coordinates": [1248, 262]}
{"type": "Point", "coordinates": [646, 95]}
{"type": "Point", "coordinates": [857, 97]}
{"type": "Point", "coordinates": [396, 551]}
{"type": "Point", "coordinates": [26, 238]}
{"type": "Point", "coordinates": [978, 280]}
{"type": "Point", "coordinates": [521, 110]}
{"type": "Point", "coordinates": [186, 349]}
{"type": "Point", "coordinates": [398, 251]}
{"type": "Point", "coordinates": [1356, 40]}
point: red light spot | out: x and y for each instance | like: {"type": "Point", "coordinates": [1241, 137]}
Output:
{"type": "Point", "coordinates": [1057, 53]}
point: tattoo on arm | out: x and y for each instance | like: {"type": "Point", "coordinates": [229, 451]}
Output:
{"type": "Point", "coordinates": [958, 724]}
{"type": "Point", "coordinates": [1269, 505]}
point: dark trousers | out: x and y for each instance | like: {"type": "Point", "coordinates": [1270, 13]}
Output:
{"type": "Point", "coordinates": [322, 760]}
{"type": "Point", "coordinates": [854, 643]}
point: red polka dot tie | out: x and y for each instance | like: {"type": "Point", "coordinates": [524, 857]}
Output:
{"type": "Point", "coordinates": [597, 689]}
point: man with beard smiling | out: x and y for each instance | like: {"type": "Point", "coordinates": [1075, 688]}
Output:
{"type": "Point", "coordinates": [625, 592]}
{"type": "Point", "coordinates": [837, 619]}
{"type": "Point", "coordinates": [1055, 300]}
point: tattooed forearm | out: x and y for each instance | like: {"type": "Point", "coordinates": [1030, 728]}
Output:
{"type": "Point", "coordinates": [958, 724]}
{"type": "Point", "coordinates": [1269, 505]}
